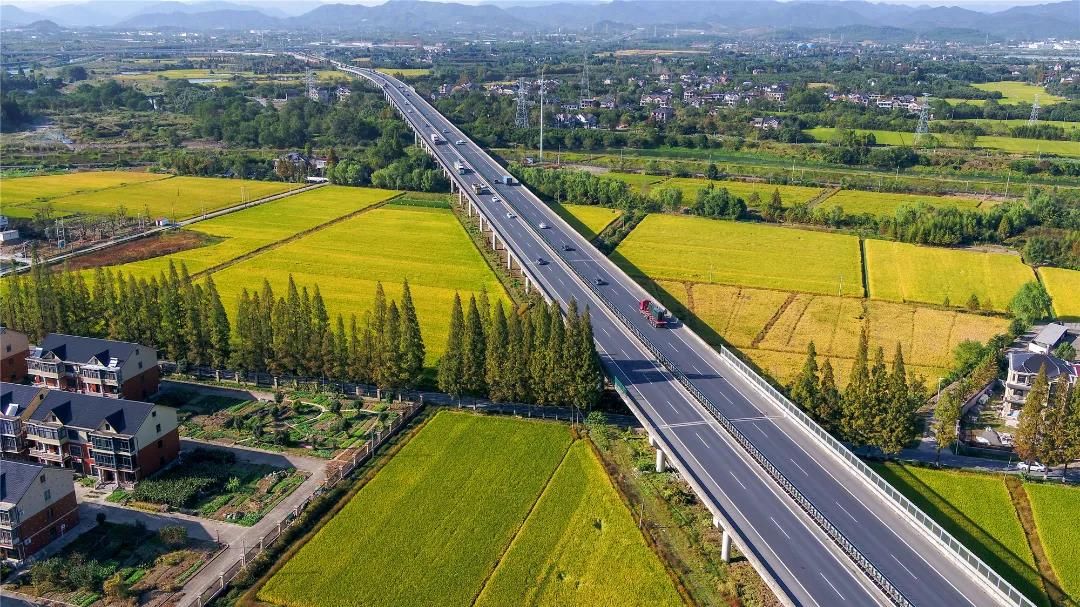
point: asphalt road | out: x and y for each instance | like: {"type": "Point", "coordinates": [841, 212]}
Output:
{"type": "Point", "coordinates": [786, 546]}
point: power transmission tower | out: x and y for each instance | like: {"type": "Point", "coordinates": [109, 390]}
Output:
{"type": "Point", "coordinates": [1034, 111]}
{"type": "Point", "coordinates": [312, 92]}
{"type": "Point", "coordinates": [585, 77]}
{"type": "Point", "coordinates": [924, 120]}
{"type": "Point", "coordinates": [542, 85]}
{"type": "Point", "coordinates": [522, 120]}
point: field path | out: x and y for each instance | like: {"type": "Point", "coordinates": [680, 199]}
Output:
{"type": "Point", "coordinates": [760, 337]}
{"type": "Point", "coordinates": [822, 197]}
{"type": "Point", "coordinates": [284, 241]}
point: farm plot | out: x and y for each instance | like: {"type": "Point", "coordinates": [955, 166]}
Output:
{"type": "Point", "coordinates": [242, 232]}
{"type": "Point", "coordinates": [18, 193]}
{"type": "Point", "coordinates": [431, 526]}
{"type": "Point", "coordinates": [1064, 288]}
{"type": "Point", "coordinates": [790, 195]}
{"type": "Point", "coordinates": [977, 510]}
{"type": "Point", "coordinates": [1054, 508]}
{"type": "Point", "coordinates": [666, 247]}
{"type": "Point", "coordinates": [639, 181]}
{"type": "Point", "coordinates": [1019, 92]}
{"type": "Point", "coordinates": [577, 541]}
{"type": "Point", "coordinates": [176, 198]}
{"type": "Point", "coordinates": [405, 72]}
{"type": "Point", "coordinates": [1006, 144]}
{"type": "Point", "coordinates": [884, 204]}
{"type": "Point", "coordinates": [588, 220]}
{"type": "Point", "coordinates": [904, 272]}
{"type": "Point", "coordinates": [390, 245]}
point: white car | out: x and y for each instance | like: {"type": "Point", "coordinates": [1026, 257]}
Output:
{"type": "Point", "coordinates": [496, 199]}
{"type": "Point", "coordinates": [543, 226]}
{"type": "Point", "coordinates": [510, 215]}
{"type": "Point", "coordinates": [1031, 467]}
{"type": "Point", "coordinates": [459, 142]}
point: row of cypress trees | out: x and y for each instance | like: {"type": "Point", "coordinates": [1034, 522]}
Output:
{"type": "Point", "coordinates": [184, 319]}
{"type": "Point", "coordinates": [541, 356]}
{"type": "Point", "coordinates": [877, 408]}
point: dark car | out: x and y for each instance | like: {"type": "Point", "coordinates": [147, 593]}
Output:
{"type": "Point", "coordinates": [600, 281]}
{"type": "Point", "coordinates": [567, 247]}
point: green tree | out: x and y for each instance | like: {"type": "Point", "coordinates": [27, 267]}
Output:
{"type": "Point", "coordinates": [1057, 434]}
{"type": "Point", "coordinates": [218, 329]}
{"type": "Point", "coordinates": [1031, 303]}
{"type": "Point", "coordinates": [497, 350]}
{"type": "Point", "coordinates": [899, 408]}
{"type": "Point", "coordinates": [451, 375]}
{"type": "Point", "coordinates": [1028, 440]}
{"type": "Point", "coordinates": [830, 405]}
{"type": "Point", "coordinates": [412, 350]}
{"type": "Point", "coordinates": [475, 347]}
{"type": "Point", "coordinates": [857, 422]}
{"type": "Point", "coordinates": [946, 420]}
{"type": "Point", "coordinates": [806, 390]}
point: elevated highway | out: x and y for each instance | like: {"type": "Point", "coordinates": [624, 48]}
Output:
{"type": "Point", "coordinates": [818, 525]}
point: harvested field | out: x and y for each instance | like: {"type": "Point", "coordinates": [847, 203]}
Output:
{"type": "Point", "coordinates": [167, 243]}
{"type": "Point", "coordinates": [744, 254]}
{"type": "Point", "coordinates": [904, 272]}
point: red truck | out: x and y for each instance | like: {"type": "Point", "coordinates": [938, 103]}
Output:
{"type": "Point", "coordinates": [658, 317]}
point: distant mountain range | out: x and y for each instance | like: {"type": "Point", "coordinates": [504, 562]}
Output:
{"type": "Point", "coordinates": [1058, 20]}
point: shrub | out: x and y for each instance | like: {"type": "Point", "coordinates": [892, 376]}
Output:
{"type": "Point", "coordinates": [173, 536]}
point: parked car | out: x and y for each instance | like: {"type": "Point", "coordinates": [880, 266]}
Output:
{"type": "Point", "coordinates": [1030, 467]}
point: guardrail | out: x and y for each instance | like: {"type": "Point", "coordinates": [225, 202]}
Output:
{"type": "Point", "coordinates": [935, 530]}
{"type": "Point", "coordinates": [988, 575]}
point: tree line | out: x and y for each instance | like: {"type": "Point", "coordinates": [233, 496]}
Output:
{"type": "Point", "coordinates": [876, 409]}
{"type": "Point", "coordinates": [541, 356]}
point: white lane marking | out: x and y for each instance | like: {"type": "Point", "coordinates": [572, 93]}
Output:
{"type": "Point", "coordinates": [672, 406]}
{"type": "Point", "coordinates": [799, 467]}
{"type": "Point", "coordinates": [779, 527]}
{"type": "Point", "coordinates": [831, 586]}
{"type": "Point", "coordinates": [904, 566]}
{"type": "Point", "coordinates": [707, 446]}
{"type": "Point", "coordinates": [846, 511]}
{"type": "Point", "coordinates": [737, 479]}
{"type": "Point", "coordinates": [760, 430]}
{"type": "Point", "coordinates": [685, 424]}
{"type": "Point", "coordinates": [603, 330]}
{"type": "Point", "coordinates": [625, 355]}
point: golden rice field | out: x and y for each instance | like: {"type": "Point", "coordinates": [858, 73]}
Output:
{"type": "Point", "coordinates": [176, 198]}
{"type": "Point", "coordinates": [1019, 92]}
{"type": "Point", "coordinates": [639, 181]}
{"type": "Point", "coordinates": [741, 317]}
{"type": "Point", "coordinates": [244, 231]}
{"type": "Point", "coordinates": [406, 72]}
{"type": "Point", "coordinates": [588, 220]}
{"type": "Point", "coordinates": [1064, 288]}
{"type": "Point", "coordinates": [789, 194]}
{"type": "Point", "coordinates": [904, 272]}
{"type": "Point", "coordinates": [19, 191]}
{"type": "Point", "coordinates": [882, 204]}
{"type": "Point", "coordinates": [669, 247]}
{"type": "Point", "coordinates": [424, 245]}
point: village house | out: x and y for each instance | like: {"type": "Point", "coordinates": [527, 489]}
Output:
{"type": "Point", "coordinates": [88, 365]}
{"type": "Point", "coordinates": [662, 114]}
{"type": "Point", "coordinates": [118, 441]}
{"type": "Point", "coordinates": [14, 347]}
{"type": "Point", "coordinates": [1023, 367]}
{"type": "Point", "coordinates": [37, 506]}
{"type": "Point", "coordinates": [1048, 338]}
{"type": "Point", "coordinates": [17, 403]}
{"type": "Point", "coordinates": [770, 123]}
{"type": "Point", "coordinates": [658, 99]}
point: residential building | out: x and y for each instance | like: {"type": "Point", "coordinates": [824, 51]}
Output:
{"type": "Point", "coordinates": [1048, 338]}
{"type": "Point", "coordinates": [37, 505]}
{"type": "Point", "coordinates": [770, 123]}
{"type": "Point", "coordinates": [105, 367]}
{"type": "Point", "coordinates": [118, 441]}
{"type": "Point", "coordinates": [1023, 367]}
{"type": "Point", "coordinates": [17, 403]}
{"type": "Point", "coordinates": [14, 347]}
{"type": "Point", "coordinates": [662, 114]}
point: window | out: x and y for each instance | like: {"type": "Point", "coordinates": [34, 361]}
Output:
{"type": "Point", "coordinates": [153, 413]}
{"type": "Point", "coordinates": [75, 450]}
{"type": "Point", "coordinates": [140, 364]}
{"type": "Point", "coordinates": [49, 515]}
{"type": "Point", "coordinates": [41, 479]}
{"type": "Point", "coordinates": [159, 428]}
{"type": "Point", "coordinates": [48, 493]}
{"type": "Point", "coordinates": [73, 434]}
{"type": "Point", "coordinates": [161, 444]}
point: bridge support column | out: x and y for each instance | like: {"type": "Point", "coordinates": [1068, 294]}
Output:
{"type": "Point", "coordinates": [661, 461]}
{"type": "Point", "coordinates": [494, 245]}
{"type": "Point", "coordinates": [481, 218]}
{"type": "Point", "coordinates": [725, 547]}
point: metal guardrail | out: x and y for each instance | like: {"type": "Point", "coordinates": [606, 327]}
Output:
{"type": "Point", "coordinates": [988, 575]}
{"type": "Point", "coordinates": [935, 530]}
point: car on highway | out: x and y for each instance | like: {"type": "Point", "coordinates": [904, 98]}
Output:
{"type": "Point", "coordinates": [567, 247]}
{"type": "Point", "coordinates": [496, 199]}
{"type": "Point", "coordinates": [543, 226]}
{"type": "Point", "coordinates": [510, 215]}
{"type": "Point", "coordinates": [540, 261]}
{"type": "Point", "coordinates": [446, 130]}
{"type": "Point", "coordinates": [1030, 467]}
{"type": "Point", "coordinates": [459, 142]}
{"type": "Point", "coordinates": [599, 281]}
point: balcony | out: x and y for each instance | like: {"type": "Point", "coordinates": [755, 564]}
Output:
{"type": "Point", "coordinates": [51, 436]}
{"type": "Point", "coordinates": [49, 455]}
{"type": "Point", "coordinates": [43, 369]}
{"type": "Point", "coordinates": [9, 519]}
{"type": "Point", "coordinates": [8, 539]}
{"type": "Point", "coordinates": [107, 378]}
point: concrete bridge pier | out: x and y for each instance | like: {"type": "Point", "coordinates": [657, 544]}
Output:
{"type": "Point", "coordinates": [661, 459]}
{"type": "Point", "coordinates": [725, 542]}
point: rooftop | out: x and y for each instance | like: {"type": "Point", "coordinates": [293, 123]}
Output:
{"type": "Point", "coordinates": [1050, 334]}
{"type": "Point", "coordinates": [84, 349]}
{"type": "Point", "coordinates": [16, 478]}
{"type": "Point", "coordinates": [87, 412]}
{"type": "Point", "coordinates": [1031, 362]}
{"type": "Point", "coordinates": [14, 397]}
